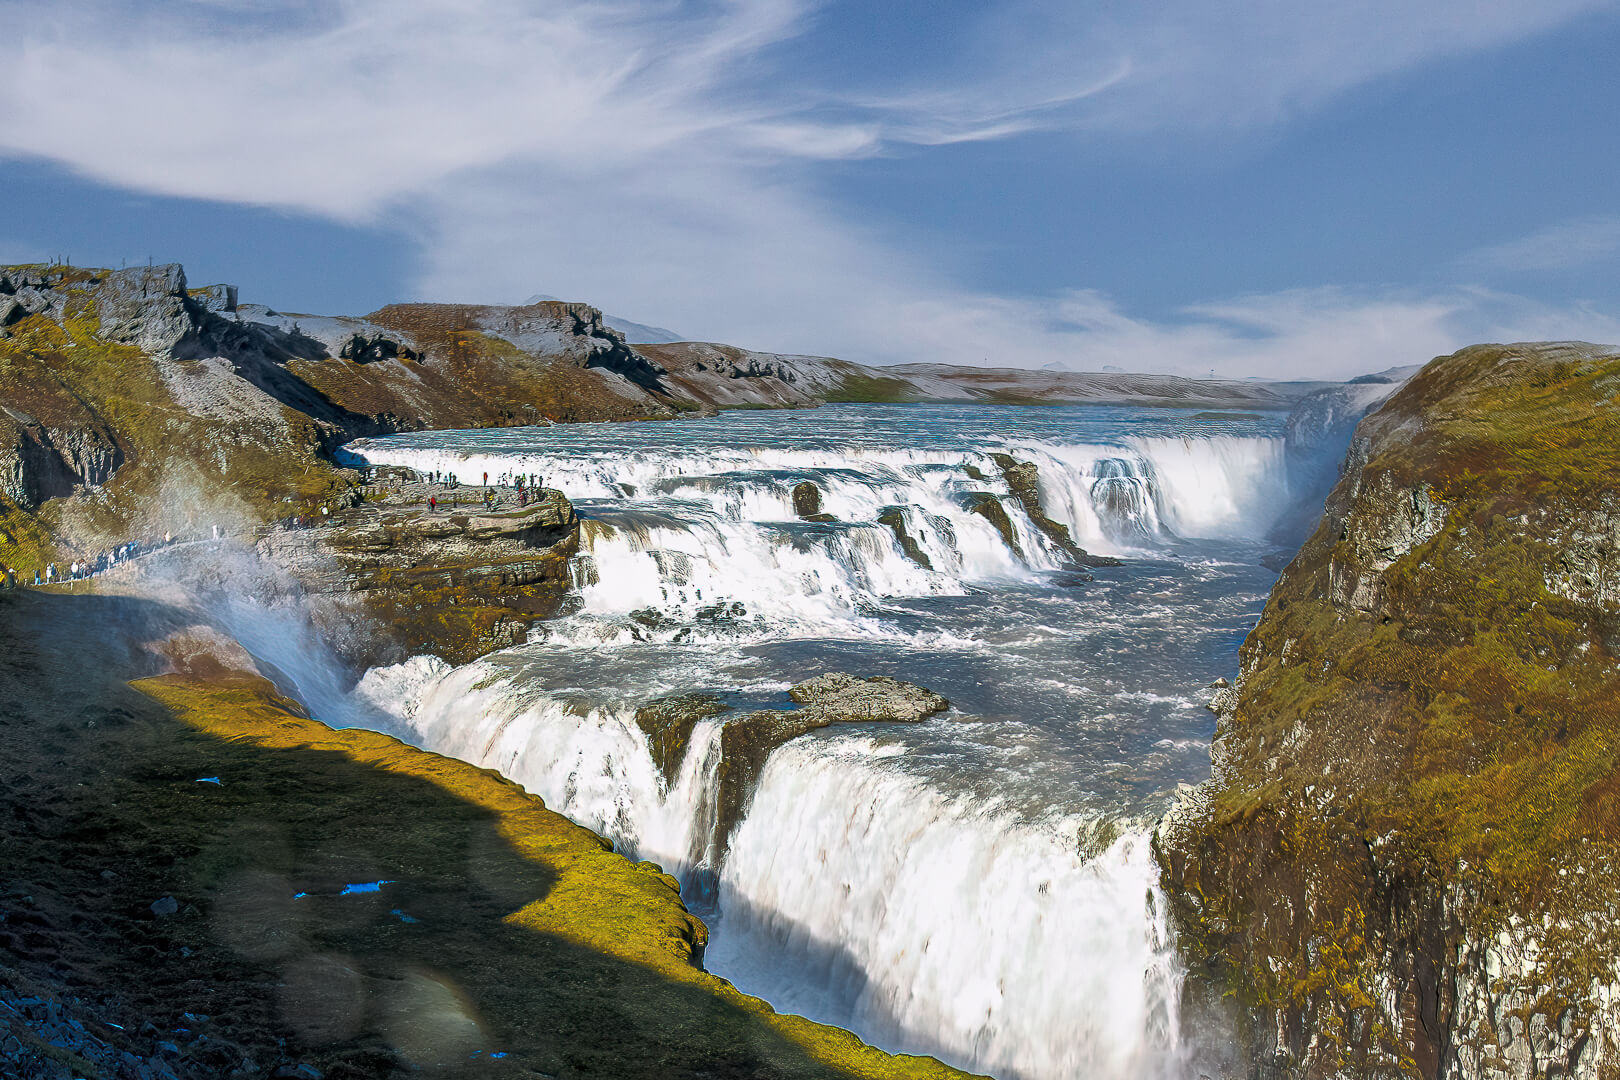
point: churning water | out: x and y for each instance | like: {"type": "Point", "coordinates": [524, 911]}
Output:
{"type": "Point", "coordinates": [979, 886]}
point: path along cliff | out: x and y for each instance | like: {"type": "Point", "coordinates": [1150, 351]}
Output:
{"type": "Point", "coordinates": [1407, 860]}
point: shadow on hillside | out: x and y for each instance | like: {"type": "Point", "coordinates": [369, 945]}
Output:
{"type": "Point", "coordinates": [107, 808]}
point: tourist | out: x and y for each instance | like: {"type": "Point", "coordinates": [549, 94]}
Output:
{"type": "Point", "coordinates": [433, 505]}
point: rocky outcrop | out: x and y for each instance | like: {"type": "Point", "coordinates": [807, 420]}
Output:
{"type": "Point", "coordinates": [895, 518]}
{"type": "Point", "coordinates": [747, 738]}
{"type": "Point", "coordinates": [841, 698]}
{"type": "Point", "coordinates": [668, 723]}
{"type": "Point", "coordinates": [1023, 480]}
{"type": "Point", "coordinates": [452, 582]}
{"type": "Point", "coordinates": [807, 502]}
{"type": "Point", "coordinates": [989, 507]}
{"type": "Point", "coordinates": [1408, 855]}
{"type": "Point", "coordinates": [40, 462]}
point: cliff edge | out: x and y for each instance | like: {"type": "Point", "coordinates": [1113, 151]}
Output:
{"type": "Point", "coordinates": [1407, 861]}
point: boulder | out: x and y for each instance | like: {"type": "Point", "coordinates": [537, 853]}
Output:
{"type": "Point", "coordinates": [838, 697]}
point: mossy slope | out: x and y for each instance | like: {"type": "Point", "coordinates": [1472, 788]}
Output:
{"type": "Point", "coordinates": [1398, 865]}
{"type": "Point", "coordinates": [502, 929]}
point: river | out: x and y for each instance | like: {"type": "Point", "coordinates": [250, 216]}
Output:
{"type": "Point", "coordinates": [978, 886]}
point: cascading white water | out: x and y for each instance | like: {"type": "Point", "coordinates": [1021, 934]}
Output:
{"type": "Point", "coordinates": [937, 889]}
{"type": "Point", "coordinates": [853, 892]}
{"type": "Point", "coordinates": [943, 924]}
{"type": "Point", "coordinates": [681, 532]}
{"type": "Point", "coordinates": [588, 761]}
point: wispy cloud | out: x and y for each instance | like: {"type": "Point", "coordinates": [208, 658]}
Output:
{"type": "Point", "coordinates": [1564, 246]}
{"type": "Point", "coordinates": [660, 158]}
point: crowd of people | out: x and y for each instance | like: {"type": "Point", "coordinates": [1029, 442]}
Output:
{"type": "Point", "coordinates": [527, 486]}
{"type": "Point", "coordinates": [79, 569]}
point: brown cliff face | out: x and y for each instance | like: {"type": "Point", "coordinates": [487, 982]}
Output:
{"type": "Point", "coordinates": [459, 581]}
{"type": "Point", "coordinates": [1407, 859]}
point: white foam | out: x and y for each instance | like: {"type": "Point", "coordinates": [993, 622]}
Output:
{"type": "Point", "coordinates": [855, 894]}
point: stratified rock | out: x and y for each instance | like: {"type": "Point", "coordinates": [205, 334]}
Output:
{"type": "Point", "coordinates": [455, 584]}
{"type": "Point", "coordinates": [894, 517]}
{"type": "Point", "coordinates": [1408, 854]}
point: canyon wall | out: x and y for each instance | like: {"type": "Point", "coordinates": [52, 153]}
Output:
{"type": "Point", "coordinates": [1407, 860]}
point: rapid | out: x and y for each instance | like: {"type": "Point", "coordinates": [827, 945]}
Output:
{"type": "Point", "coordinates": [979, 886]}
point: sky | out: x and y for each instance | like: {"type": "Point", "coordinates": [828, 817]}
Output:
{"type": "Point", "coordinates": [1258, 188]}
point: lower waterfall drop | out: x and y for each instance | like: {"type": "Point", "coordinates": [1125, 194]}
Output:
{"type": "Point", "coordinates": [933, 924]}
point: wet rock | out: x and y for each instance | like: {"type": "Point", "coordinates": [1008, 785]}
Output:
{"type": "Point", "coordinates": [840, 697]}
{"type": "Point", "coordinates": [1023, 479]}
{"type": "Point", "coordinates": [989, 507]}
{"type": "Point", "coordinates": [668, 723]}
{"type": "Point", "coordinates": [165, 907]}
{"type": "Point", "coordinates": [834, 698]}
{"type": "Point", "coordinates": [807, 502]}
{"type": "Point", "coordinates": [894, 517]}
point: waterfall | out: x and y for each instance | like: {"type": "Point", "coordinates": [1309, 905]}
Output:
{"type": "Point", "coordinates": [945, 890]}
{"type": "Point", "coordinates": [853, 892]}
{"type": "Point", "coordinates": [587, 760]}
{"type": "Point", "coordinates": [940, 924]}
{"type": "Point", "coordinates": [710, 542]}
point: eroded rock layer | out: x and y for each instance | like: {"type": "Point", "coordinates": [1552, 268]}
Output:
{"type": "Point", "coordinates": [1407, 860]}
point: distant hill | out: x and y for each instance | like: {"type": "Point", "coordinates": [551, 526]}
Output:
{"type": "Point", "coordinates": [634, 332]}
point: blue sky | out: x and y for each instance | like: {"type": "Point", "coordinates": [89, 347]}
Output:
{"type": "Point", "coordinates": [1256, 188]}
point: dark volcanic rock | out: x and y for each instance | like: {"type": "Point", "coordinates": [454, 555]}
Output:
{"type": "Point", "coordinates": [895, 519]}
{"type": "Point", "coordinates": [989, 507]}
{"type": "Point", "coordinates": [807, 502]}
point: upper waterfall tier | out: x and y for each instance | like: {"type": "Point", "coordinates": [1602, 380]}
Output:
{"type": "Point", "coordinates": [805, 523]}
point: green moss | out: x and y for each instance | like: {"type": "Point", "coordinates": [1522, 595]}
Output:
{"type": "Point", "coordinates": [1464, 730]}
{"type": "Point", "coordinates": [872, 389]}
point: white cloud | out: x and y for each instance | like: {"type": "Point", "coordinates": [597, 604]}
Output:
{"type": "Point", "coordinates": [656, 158]}
{"type": "Point", "coordinates": [1563, 246]}
{"type": "Point", "coordinates": [773, 271]}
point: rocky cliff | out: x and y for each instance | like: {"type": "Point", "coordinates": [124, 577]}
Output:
{"type": "Point", "coordinates": [457, 582]}
{"type": "Point", "coordinates": [1407, 860]}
